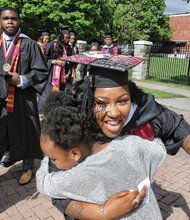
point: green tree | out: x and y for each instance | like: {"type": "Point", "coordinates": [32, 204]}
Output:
{"type": "Point", "coordinates": [141, 20]}
{"type": "Point", "coordinates": [87, 17]}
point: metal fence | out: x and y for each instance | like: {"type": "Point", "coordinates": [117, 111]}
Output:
{"type": "Point", "coordinates": [170, 63]}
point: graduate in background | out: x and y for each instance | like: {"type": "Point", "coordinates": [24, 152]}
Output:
{"type": "Point", "coordinates": [73, 41]}
{"type": "Point", "coordinates": [44, 39]}
{"type": "Point", "coordinates": [108, 46]}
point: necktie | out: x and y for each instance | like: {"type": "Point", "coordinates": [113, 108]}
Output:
{"type": "Point", "coordinates": [8, 43]}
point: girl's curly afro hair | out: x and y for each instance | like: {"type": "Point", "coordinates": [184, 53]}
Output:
{"type": "Point", "coordinates": [62, 121]}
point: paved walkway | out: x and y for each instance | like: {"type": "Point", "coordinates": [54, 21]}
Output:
{"type": "Point", "coordinates": [171, 183]}
{"type": "Point", "coordinates": [172, 89]}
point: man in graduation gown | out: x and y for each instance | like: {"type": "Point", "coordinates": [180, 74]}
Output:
{"type": "Point", "coordinates": [25, 74]}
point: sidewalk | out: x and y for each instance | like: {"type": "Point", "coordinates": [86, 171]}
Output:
{"type": "Point", "coordinates": [180, 91]}
{"type": "Point", "coordinates": [171, 183]}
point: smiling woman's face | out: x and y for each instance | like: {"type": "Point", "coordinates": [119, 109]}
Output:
{"type": "Point", "coordinates": [112, 109]}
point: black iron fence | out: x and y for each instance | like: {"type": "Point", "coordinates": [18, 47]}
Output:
{"type": "Point", "coordinates": [170, 63]}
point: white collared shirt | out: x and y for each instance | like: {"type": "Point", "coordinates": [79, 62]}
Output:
{"type": "Point", "coordinates": [131, 113]}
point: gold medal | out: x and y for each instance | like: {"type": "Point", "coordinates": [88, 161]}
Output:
{"type": "Point", "coordinates": [6, 67]}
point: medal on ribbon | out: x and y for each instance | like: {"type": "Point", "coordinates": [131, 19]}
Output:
{"type": "Point", "coordinates": [6, 67]}
{"type": "Point", "coordinates": [7, 53]}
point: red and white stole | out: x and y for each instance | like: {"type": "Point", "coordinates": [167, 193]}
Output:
{"type": "Point", "coordinates": [14, 49]}
{"type": "Point", "coordinates": [59, 71]}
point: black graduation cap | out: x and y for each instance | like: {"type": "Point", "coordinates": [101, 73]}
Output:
{"type": "Point", "coordinates": [95, 42]}
{"type": "Point", "coordinates": [65, 30]}
{"type": "Point", "coordinates": [106, 72]}
{"type": "Point", "coordinates": [44, 32]}
{"type": "Point", "coordinates": [108, 35]}
{"type": "Point", "coordinates": [73, 32]}
{"type": "Point", "coordinates": [107, 78]}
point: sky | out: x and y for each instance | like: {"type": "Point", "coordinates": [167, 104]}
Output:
{"type": "Point", "coordinates": [177, 6]}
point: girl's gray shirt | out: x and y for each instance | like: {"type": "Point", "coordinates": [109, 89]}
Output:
{"type": "Point", "coordinates": [122, 164]}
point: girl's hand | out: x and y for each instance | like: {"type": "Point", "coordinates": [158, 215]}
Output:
{"type": "Point", "coordinates": [123, 203]}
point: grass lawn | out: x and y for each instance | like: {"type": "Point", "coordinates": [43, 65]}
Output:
{"type": "Point", "coordinates": [161, 94]}
{"type": "Point", "coordinates": [168, 69]}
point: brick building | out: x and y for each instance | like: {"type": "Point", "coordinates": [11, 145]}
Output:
{"type": "Point", "coordinates": [180, 23]}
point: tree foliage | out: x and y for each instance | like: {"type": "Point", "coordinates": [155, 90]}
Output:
{"type": "Point", "coordinates": [84, 16]}
{"type": "Point", "coordinates": [144, 20]}
{"type": "Point", "coordinates": [128, 20]}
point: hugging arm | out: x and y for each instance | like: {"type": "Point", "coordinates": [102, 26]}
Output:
{"type": "Point", "coordinates": [173, 129]}
{"type": "Point", "coordinates": [119, 204]}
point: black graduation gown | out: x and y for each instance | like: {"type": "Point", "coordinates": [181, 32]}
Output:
{"type": "Point", "coordinates": [22, 128]}
{"type": "Point", "coordinates": [3, 91]}
{"type": "Point", "coordinates": [74, 49]}
{"type": "Point", "coordinates": [168, 125]}
{"type": "Point", "coordinates": [48, 52]}
{"type": "Point", "coordinates": [144, 113]}
{"type": "Point", "coordinates": [3, 86]}
{"type": "Point", "coordinates": [172, 128]}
